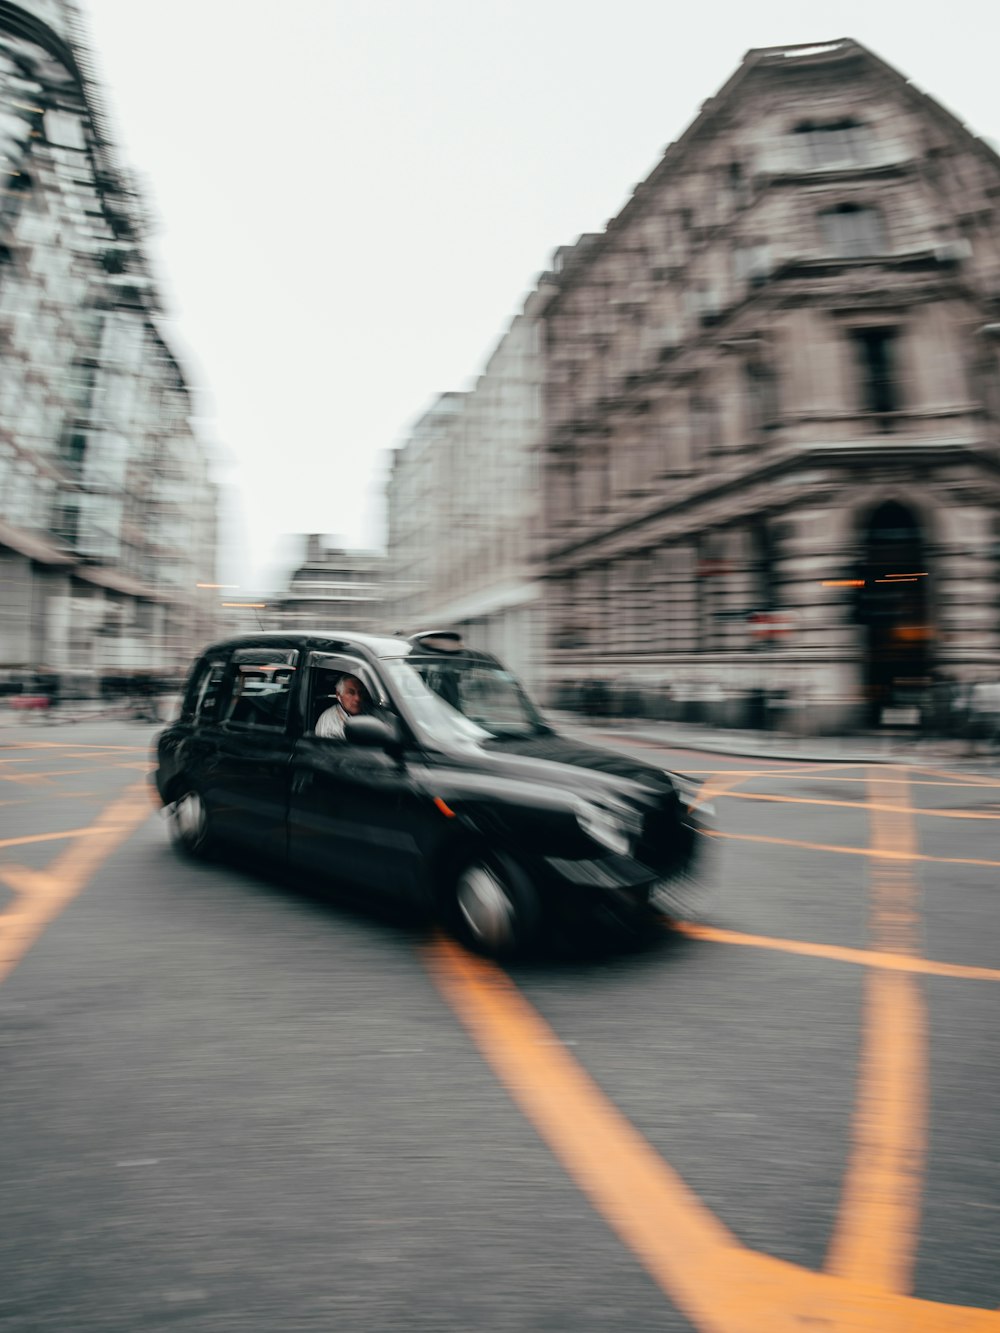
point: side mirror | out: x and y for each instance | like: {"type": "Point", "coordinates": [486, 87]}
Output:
{"type": "Point", "coordinates": [374, 733]}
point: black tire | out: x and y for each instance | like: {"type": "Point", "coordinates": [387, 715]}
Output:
{"type": "Point", "coordinates": [494, 907]}
{"type": "Point", "coordinates": [187, 820]}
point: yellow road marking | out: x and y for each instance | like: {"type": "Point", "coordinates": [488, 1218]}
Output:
{"type": "Point", "coordinates": [68, 745]}
{"type": "Point", "coordinates": [855, 805]}
{"type": "Point", "coordinates": [722, 785]}
{"type": "Point", "coordinates": [26, 779]}
{"type": "Point", "coordinates": [720, 1285]}
{"type": "Point", "coordinates": [877, 1228]}
{"type": "Point", "coordinates": [723, 781]}
{"type": "Point", "coordinates": [876, 853]}
{"type": "Point", "coordinates": [878, 1222]}
{"type": "Point", "coordinates": [51, 837]}
{"type": "Point", "coordinates": [778, 770]}
{"type": "Point", "coordinates": [42, 894]}
{"type": "Point", "coordinates": [973, 779]}
{"type": "Point", "coordinates": [859, 780]}
{"type": "Point", "coordinates": [837, 953]}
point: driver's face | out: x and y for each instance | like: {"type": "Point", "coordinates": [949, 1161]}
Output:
{"type": "Point", "coordinates": [350, 692]}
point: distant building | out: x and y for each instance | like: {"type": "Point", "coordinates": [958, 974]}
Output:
{"type": "Point", "coordinates": [772, 437]}
{"type": "Point", "coordinates": [464, 504]}
{"type": "Point", "coordinates": [332, 588]}
{"type": "Point", "coordinates": [107, 510]}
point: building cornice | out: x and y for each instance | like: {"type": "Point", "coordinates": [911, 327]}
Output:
{"type": "Point", "coordinates": [893, 453]}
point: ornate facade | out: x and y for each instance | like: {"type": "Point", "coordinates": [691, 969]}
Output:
{"type": "Point", "coordinates": [772, 438]}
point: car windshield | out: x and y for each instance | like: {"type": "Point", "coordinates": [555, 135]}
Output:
{"type": "Point", "coordinates": [465, 697]}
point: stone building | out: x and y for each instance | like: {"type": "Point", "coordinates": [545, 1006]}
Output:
{"type": "Point", "coordinates": [772, 436]}
{"type": "Point", "coordinates": [107, 510]}
{"type": "Point", "coordinates": [332, 588]}
{"type": "Point", "coordinates": [463, 503]}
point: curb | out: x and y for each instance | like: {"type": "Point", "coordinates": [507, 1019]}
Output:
{"type": "Point", "coordinates": [784, 751]}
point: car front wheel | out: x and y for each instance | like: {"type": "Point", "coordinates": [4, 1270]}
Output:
{"type": "Point", "coordinates": [187, 820]}
{"type": "Point", "coordinates": [495, 908]}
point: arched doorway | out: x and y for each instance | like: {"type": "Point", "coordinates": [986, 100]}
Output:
{"type": "Point", "coordinates": [894, 608]}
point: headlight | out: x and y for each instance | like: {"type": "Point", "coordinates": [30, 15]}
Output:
{"type": "Point", "coordinates": [604, 827]}
{"type": "Point", "coordinates": [690, 795]}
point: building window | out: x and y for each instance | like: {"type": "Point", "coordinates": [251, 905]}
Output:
{"type": "Point", "coordinates": [986, 386]}
{"type": "Point", "coordinates": [841, 143]}
{"type": "Point", "coordinates": [852, 231]}
{"type": "Point", "coordinates": [568, 633]}
{"type": "Point", "coordinates": [736, 184]}
{"type": "Point", "coordinates": [75, 452]}
{"type": "Point", "coordinates": [703, 303]}
{"type": "Point", "coordinates": [752, 263]}
{"type": "Point", "coordinates": [709, 570]}
{"type": "Point", "coordinates": [661, 610]}
{"type": "Point", "coordinates": [66, 522]}
{"type": "Point", "coordinates": [877, 354]}
{"type": "Point", "coordinates": [761, 396]}
{"type": "Point", "coordinates": [706, 432]}
{"type": "Point", "coordinates": [763, 561]}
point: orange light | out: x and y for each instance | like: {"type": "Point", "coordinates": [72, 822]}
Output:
{"type": "Point", "coordinates": [445, 809]}
{"type": "Point", "coordinates": [913, 633]}
{"type": "Point", "coordinates": [843, 583]}
{"type": "Point", "coordinates": [247, 606]}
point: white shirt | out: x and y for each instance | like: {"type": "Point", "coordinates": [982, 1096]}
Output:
{"type": "Point", "coordinates": [330, 724]}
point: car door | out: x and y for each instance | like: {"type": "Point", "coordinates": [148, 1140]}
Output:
{"type": "Point", "coordinates": [354, 812]}
{"type": "Point", "coordinates": [251, 750]}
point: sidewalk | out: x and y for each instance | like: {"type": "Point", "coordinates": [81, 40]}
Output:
{"type": "Point", "coordinates": [884, 748]}
{"type": "Point", "coordinates": [72, 712]}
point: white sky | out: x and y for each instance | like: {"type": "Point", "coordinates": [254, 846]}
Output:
{"type": "Point", "coordinates": [354, 196]}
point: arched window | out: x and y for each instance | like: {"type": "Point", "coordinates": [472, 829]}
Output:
{"type": "Point", "coordinates": [839, 143]}
{"type": "Point", "coordinates": [852, 231]}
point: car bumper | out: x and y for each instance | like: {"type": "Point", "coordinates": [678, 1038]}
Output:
{"type": "Point", "coordinates": [624, 882]}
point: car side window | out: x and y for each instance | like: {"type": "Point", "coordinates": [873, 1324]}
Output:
{"type": "Point", "coordinates": [206, 689]}
{"type": "Point", "coordinates": [326, 673]}
{"type": "Point", "coordinates": [261, 686]}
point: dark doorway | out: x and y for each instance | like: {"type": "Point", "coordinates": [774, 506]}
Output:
{"type": "Point", "coordinates": [894, 608]}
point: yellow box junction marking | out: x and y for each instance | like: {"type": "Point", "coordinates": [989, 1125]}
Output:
{"type": "Point", "coordinates": [720, 1285]}
{"type": "Point", "coordinates": [42, 894]}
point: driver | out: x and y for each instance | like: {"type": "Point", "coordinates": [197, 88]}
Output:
{"type": "Point", "coordinates": [351, 701]}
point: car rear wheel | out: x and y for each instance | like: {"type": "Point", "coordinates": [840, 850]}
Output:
{"type": "Point", "coordinates": [495, 908]}
{"type": "Point", "coordinates": [187, 820]}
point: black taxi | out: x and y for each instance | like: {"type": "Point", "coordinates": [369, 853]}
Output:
{"type": "Point", "coordinates": [446, 790]}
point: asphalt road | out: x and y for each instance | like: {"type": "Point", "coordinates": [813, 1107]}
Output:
{"type": "Point", "coordinates": [227, 1105]}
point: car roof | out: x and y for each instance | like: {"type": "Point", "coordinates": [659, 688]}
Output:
{"type": "Point", "coordinates": [333, 641]}
{"type": "Point", "coordinates": [324, 640]}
